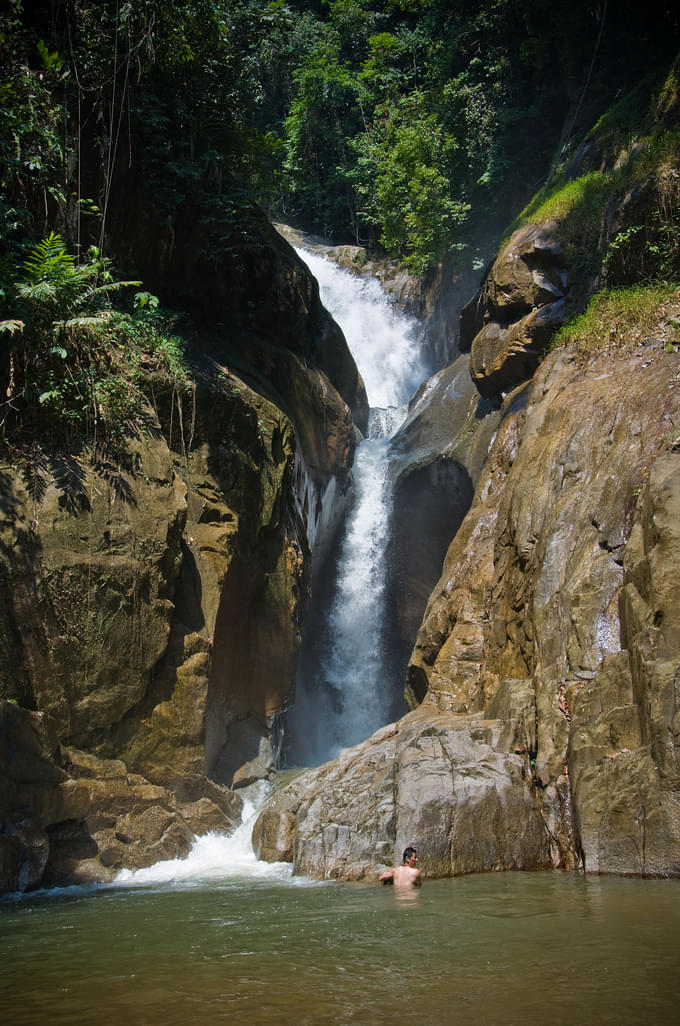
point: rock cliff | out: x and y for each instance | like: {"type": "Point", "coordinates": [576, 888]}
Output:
{"type": "Point", "coordinates": [544, 677]}
{"type": "Point", "coordinates": [545, 665]}
{"type": "Point", "coordinates": [153, 592]}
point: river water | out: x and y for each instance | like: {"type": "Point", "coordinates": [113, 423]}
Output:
{"type": "Point", "coordinates": [489, 950]}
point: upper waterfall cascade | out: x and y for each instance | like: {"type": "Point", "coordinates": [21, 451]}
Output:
{"type": "Point", "coordinates": [382, 340]}
{"type": "Point", "coordinates": [343, 693]}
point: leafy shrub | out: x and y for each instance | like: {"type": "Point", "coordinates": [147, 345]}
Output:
{"type": "Point", "coordinates": [650, 250]}
{"type": "Point", "coordinates": [72, 364]}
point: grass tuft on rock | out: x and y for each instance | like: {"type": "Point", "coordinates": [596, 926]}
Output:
{"type": "Point", "coordinates": [623, 318]}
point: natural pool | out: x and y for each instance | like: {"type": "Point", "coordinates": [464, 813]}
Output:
{"type": "Point", "coordinates": [488, 950]}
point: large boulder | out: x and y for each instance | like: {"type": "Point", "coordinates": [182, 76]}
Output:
{"type": "Point", "coordinates": [522, 302]}
{"type": "Point", "coordinates": [430, 779]}
{"type": "Point", "coordinates": [528, 273]}
{"type": "Point", "coordinates": [503, 355]}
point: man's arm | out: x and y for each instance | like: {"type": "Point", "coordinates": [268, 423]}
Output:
{"type": "Point", "coordinates": [387, 876]}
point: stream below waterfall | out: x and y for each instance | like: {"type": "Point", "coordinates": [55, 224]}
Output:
{"type": "Point", "coordinates": [261, 948]}
{"type": "Point", "coordinates": [221, 937]}
{"type": "Point", "coordinates": [345, 689]}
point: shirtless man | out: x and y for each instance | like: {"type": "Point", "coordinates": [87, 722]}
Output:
{"type": "Point", "coordinates": [405, 875]}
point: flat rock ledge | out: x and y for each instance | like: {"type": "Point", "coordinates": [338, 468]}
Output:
{"type": "Point", "coordinates": [433, 779]}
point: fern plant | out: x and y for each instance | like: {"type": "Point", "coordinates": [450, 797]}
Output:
{"type": "Point", "coordinates": [59, 354]}
{"type": "Point", "coordinates": [59, 289]}
{"type": "Point", "coordinates": [52, 281]}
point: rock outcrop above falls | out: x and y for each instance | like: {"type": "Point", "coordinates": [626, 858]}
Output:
{"type": "Point", "coordinates": [440, 450]}
{"type": "Point", "coordinates": [521, 304]}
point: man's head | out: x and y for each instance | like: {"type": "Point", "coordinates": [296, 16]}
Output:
{"type": "Point", "coordinates": [410, 856]}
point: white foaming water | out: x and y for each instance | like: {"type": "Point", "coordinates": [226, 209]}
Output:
{"type": "Point", "coordinates": [382, 340]}
{"type": "Point", "coordinates": [213, 858]}
{"type": "Point", "coordinates": [349, 695]}
{"type": "Point", "coordinates": [353, 667]}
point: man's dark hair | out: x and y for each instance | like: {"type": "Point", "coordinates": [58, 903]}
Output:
{"type": "Point", "coordinates": [408, 852]}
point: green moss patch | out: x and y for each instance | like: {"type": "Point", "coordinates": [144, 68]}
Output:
{"type": "Point", "coordinates": [619, 219]}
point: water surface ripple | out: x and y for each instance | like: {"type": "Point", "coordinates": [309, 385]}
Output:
{"type": "Point", "coordinates": [489, 950]}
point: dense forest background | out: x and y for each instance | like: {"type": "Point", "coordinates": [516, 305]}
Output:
{"type": "Point", "coordinates": [416, 128]}
{"type": "Point", "coordinates": [413, 126]}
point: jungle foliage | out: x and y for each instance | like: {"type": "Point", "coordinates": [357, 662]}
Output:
{"type": "Point", "coordinates": [403, 124]}
{"type": "Point", "coordinates": [416, 127]}
{"type": "Point", "coordinates": [623, 318]}
{"type": "Point", "coordinates": [73, 359]}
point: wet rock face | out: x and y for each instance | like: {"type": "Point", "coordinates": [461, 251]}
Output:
{"type": "Point", "coordinates": [448, 657]}
{"type": "Point", "coordinates": [436, 459]}
{"type": "Point", "coordinates": [521, 304]}
{"type": "Point", "coordinates": [557, 577]}
{"type": "Point", "coordinates": [29, 772]}
{"type": "Point", "coordinates": [624, 749]}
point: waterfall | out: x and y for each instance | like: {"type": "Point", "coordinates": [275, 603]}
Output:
{"type": "Point", "coordinates": [343, 690]}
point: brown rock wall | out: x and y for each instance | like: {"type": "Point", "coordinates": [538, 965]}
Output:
{"type": "Point", "coordinates": [624, 754]}
{"type": "Point", "coordinates": [532, 587]}
{"type": "Point", "coordinates": [153, 598]}
{"type": "Point", "coordinates": [89, 553]}
{"type": "Point", "coordinates": [547, 658]}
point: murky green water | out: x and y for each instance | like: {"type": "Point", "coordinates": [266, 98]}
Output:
{"type": "Point", "coordinates": [490, 950]}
